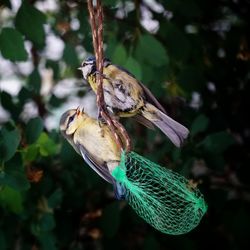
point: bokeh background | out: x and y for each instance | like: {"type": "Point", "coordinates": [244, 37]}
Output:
{"type": "Point", "coordinates": [193, 55]}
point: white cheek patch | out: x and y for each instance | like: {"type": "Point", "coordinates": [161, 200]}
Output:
{"type": "Point", "coordinates": [86, 70]}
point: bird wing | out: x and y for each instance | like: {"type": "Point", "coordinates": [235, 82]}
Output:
{"type": "Point", "coordinates": [148, 94]}
{"type": "Point", "coordinates": [101, 170]}
{"type": "Point", "coordinates": [141, 119]}
{"type": "Point", "coordinates": [119, 190]}
{"type": "Point", "coordinates": [151, 98]}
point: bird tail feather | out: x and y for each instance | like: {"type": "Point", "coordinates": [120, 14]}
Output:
{"type": "Point", "coordinates": [176, 132]}
{"type": "Point", "coordinates": [120, 191]}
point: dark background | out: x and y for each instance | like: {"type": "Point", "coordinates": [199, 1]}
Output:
{"type": "Point", "coordinates": [196, 62]}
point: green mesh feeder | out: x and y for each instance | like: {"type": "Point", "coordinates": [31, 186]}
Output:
{"type": "Point", "coordinates": [163, 198]}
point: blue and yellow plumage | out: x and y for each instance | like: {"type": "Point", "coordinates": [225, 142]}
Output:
{"type": "Point", "coordinates": [125, 96]}
{"type": "Point", "coordinates": [93, 140]}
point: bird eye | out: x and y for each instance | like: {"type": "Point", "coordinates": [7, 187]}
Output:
{"type": "Point", "coordinates": [71, 119]}
{"type": "Point", "coordinates": [83, 64]}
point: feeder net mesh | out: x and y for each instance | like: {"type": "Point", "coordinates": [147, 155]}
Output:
{"type": "Point", "coordinates": [163, 198]}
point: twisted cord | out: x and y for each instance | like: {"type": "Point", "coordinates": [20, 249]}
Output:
{"type": "Point", "coordinates": [96, 22]}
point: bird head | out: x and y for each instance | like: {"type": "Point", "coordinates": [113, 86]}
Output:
{"type": "Point", "coordinates": [88, 66]}
{"type": "Point", "coordinates": [71, 120]}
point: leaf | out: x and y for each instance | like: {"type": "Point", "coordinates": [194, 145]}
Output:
{"type": "Point", "coordinates": [120, 55]}
{"type": "Point", "coordinates": [47, 241]}
{"type": "Point", "coordinates": [70, 56]}
{"type": "Point", "coordinates": [3, 244]}
{"type": "Point", "coordinates": [23, 95]}
{"type": "Point", "coordinates": [10, 142]}
{"type": "Point", "coordinates": [34, 81]}
{"type": "Point", "coordinates": [10, 105]}
{"type": "Point", "coordinates": [29, 21]}
{"type": "Point", "coordinates": [218, 142]}
{"type": "Point", "coordinates": [47, 222]}
{"type": "Point", "coordinates": [46, 145]}
{"type": "Point", "coordinates": [14, 180]}
{"type": "Point", "coordinates": [30, 153]}
{"type": "Point", "coordinates": [12, 45]}
{"type": "Point", "coordinates": [150, 50]}
{"type": "Point", "coordinates": [50, 64]}
{"type": "Point", "coordinates": [56, 102]}
{"type": "Point", "coordinates": [11, 199]}
{"type": "Point", "coordinates": [199, 125]}
{"type": "Point", "coordinates": [110, 219]}
{"type": "Point", "coordinates": [14, 175]}
{"type": "Point", "coordinates": [134, 67]}
{"type": "Point", "coordinates": [177, 43]}
{"type": "Point", "coordinates": [55, 198]}
{"type": "Point", "coordinates": [33, 129]}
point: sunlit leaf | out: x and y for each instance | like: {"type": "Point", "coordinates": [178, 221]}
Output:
{"type": "Point", "coordinates": [30, 153]}
{"type": "Point", "coordinates": [46, 145]}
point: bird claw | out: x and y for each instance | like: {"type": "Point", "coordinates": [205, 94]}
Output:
{"type": "Point", "coordinates": [100, 118]}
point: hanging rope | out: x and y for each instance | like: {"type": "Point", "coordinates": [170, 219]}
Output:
{"type": "Point", "coordinates": [96, 22]}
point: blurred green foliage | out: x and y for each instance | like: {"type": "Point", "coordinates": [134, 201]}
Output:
{"type": "Point", "coordinates": [196, 62]}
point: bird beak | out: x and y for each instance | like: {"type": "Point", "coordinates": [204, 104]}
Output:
{"type": "Point", "coordinates": [78, 111]}
{"type": "Point", "coordinates": [80, 68]}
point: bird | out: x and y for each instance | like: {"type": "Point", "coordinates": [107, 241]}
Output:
{"type": "Point", "coordinates": [93, 140]}
{"type": "Point", "coordinates": [125, 96]}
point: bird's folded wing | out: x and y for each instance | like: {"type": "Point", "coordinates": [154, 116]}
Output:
{"type": "Point", "coordinates": [151, 98]}
{"type": "Point", "coordinates": [148, 94]}
{"type": "Point", "coordinates": [101, 170]}
{"type": "Point", "coordinates": [139, 118]}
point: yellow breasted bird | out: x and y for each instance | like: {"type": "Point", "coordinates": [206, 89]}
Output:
{"type": "Point", "coordinates": [94, 142]}
{"type": "Point", "coordinates": [125, 96]}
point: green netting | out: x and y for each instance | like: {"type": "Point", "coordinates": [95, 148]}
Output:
{"type": "Point", "coordinates": [163, 198]}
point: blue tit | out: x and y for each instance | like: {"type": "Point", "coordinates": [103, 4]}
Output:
{"type": "Point", "coordinates": [94, 142]}
{"type": "Point", "coordinates": [125, 96]}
